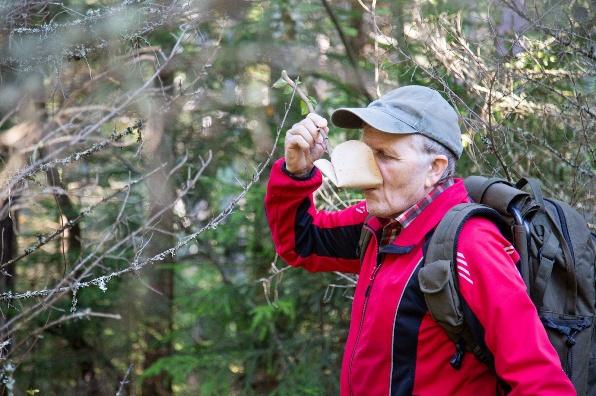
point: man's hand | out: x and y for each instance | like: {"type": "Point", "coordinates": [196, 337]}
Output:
{"type": "Point", "coordinates": [305, 143]}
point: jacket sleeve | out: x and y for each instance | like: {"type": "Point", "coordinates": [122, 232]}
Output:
{"type": "Point", "coordinates": [305, 237]}
{"type": "Point", "coordinates": [495, 292]}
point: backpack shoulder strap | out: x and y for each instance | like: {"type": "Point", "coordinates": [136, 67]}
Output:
{"type": "Point", "coordinates": [439, 283]}
{"type": "Point", "coordinates": [443, 244]}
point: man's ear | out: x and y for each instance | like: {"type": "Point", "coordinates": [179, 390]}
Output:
{"type": "Point", "coordinates": [436, 169]}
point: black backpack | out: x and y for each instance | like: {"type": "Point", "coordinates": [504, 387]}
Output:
{"type": "Point", "coordinates": [557, 264]}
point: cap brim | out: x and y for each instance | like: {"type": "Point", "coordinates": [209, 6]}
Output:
{"type": "Point", "coordinates": [378, 119]}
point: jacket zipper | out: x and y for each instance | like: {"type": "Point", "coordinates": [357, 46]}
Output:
{"type": "Point", "coordinates": [366, 294]}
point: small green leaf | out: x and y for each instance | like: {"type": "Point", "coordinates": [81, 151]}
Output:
{"type": "Point", "coordinates": [287, 89]}
{"type": "Point", "coordinates": [280, 83]}
{"type": "Point", "coordinates": [303, 107]}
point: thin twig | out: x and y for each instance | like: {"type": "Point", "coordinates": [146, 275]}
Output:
{"type": "Point", "coordinates": [124, 381]}
{"type": "Point", "coordinates": [137, 265]}
{"type": "Point", "coordinates": [27, 173]}
{"type": "Point", "coordinates": [44, 239]}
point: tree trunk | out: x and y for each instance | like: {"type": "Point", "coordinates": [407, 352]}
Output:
{"type": "Point", "coordinates": [8, 249]}
{"type": "Point", "coordinates": [157, 309]}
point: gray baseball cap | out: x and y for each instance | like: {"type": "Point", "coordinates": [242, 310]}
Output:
{"type": "Point", "coordinates": [408, 109]}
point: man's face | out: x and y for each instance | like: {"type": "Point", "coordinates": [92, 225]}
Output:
{"type": "Point", "coordinates": [404, 168]}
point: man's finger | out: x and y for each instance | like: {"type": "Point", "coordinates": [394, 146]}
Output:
{"type": "Point", "coordinates": [320, 141]}
{"type": "Point", "coordinates": [301, 130]}
{"type": "Point", "coordinates": [310, 126]}
{"type": "Point", "coordinates": [297, 141]}
{"type": "Point", "coordinates": [319, 121]}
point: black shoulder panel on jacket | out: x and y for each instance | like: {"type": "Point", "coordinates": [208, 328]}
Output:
{"type": "Point", "coordinates": [340, 242]}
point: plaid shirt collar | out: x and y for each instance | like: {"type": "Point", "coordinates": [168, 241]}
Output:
{"type": "Point", "coordinates": [392, 229]}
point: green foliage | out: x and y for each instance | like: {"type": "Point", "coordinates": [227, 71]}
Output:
{"type": "Point", "coordinates": [265, 316]}
{"type": "Point", "coordinates": [180, 366]}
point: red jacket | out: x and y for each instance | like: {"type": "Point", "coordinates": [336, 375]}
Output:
{"type": "Point", "coordinates": [394, 347]}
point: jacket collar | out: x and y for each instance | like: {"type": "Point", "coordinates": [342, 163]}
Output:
{"type": "Point", "coordinates": [429, 218]}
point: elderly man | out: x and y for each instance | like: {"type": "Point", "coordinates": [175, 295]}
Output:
{"type": "Point", "coordinates": [394, 347]}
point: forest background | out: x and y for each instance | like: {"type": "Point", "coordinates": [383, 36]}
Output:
{"type": "Point", "coordinates": [136, 139]}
